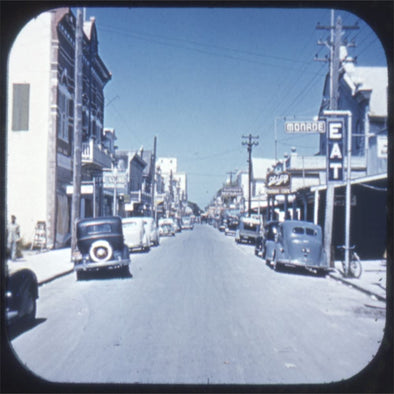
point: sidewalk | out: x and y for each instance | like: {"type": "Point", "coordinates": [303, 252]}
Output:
{"type": "Point", "coordinates": [49, 265]}
{"type": "Point", "coordinates": [372, 280]}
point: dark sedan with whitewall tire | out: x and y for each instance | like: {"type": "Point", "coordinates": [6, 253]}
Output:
{"type": "Point", "coordinates": [101, 246]}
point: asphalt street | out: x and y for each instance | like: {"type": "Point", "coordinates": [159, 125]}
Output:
{"type": "Point", "coordinates": [200, 309]}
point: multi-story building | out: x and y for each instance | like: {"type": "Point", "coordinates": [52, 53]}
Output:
{"type": "Point", "coordinates": [172, 189]}
{"type": "Point", "coordinates": [41, 121]}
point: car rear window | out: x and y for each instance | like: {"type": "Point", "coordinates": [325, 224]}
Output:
{"type": "Point", "coordinates": [307, 231]}
{"type": "Point", "coordinates": [251, 226]}
{"type": "Point", "coordinates": [311, 231]}
{"type": "Point", "coordinates": [129, 225]}
{"type": "Point", "coordinates": [97, 229]}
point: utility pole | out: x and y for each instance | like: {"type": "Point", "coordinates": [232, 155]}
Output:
{"type": "Point", "coordinates": [336, 31]}
{"type": "Point", "coordinates": [153, 172]}
{"type": "Point", "coordinates": [77, 151]}
{"type": "Point", "coordinates": [250, 142]}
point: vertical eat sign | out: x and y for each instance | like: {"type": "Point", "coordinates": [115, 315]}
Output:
{"type": "Point", "coordinates": [335, 150]}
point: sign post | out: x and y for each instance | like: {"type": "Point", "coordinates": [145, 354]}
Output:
{"type": "Point", "coordinates": [335, 146]}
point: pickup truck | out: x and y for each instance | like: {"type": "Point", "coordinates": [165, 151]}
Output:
{"type": "Point", "coordinates": [248, 231]}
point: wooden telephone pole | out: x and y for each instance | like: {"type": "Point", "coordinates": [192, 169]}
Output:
{"type": "Point", "coordinates": [336, 31]}
{"type": "Point", "coordinates": [250, 142]}
{"type": "Point", "coordinates": [77, 141]}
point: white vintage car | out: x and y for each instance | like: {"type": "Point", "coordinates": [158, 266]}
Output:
{"type": "Point", "coordinates": [135, 235]}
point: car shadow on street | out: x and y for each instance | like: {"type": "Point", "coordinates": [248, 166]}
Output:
{"type": "Point", "coordinates": [20, 327]}
{"type": "Point", "coordinates": [298, 271]}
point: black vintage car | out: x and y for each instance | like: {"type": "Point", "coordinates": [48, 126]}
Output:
{"type": "Point", "coordinates": [21, 295]}
{"type": "Point", "coordinates": [100, 246]}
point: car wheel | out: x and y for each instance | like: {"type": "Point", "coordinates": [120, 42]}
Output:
{"type": "Point", "coordinates": [124, 271]}
{"type": "Point", "coordinates": [100, 251]}
{"type": "Point", "coordinates": [275, 262]}
{"type": "Point", "coordinates": [30, 306]}
{"type": "Point", "coordinates": [81, 275]}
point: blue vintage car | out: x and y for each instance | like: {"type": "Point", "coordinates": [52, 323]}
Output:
{"type": "Point", "coordinates": [298, 244]}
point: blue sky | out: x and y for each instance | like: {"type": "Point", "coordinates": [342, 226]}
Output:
{"type": "Point", "coordinates": [200, 78]}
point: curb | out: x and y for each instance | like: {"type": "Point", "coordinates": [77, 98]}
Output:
{"type": "Point", "coordinates": [378, 296]}
{"type": "Point", "coordinates": [45, 281]}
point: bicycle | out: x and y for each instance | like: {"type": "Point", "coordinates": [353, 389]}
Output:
{"type": "Point", "coordinates": [355, 268]}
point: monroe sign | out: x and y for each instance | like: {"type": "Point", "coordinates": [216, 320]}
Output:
{"type": "Point", "coordinates": [311, 126]}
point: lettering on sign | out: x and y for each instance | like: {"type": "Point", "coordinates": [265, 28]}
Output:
{"type": "Point", "coordinates": [281, 179]}
{"type": "Point", "coordinates": [335, 150]}
{"type": "Point", "coordinates": [311, 126]}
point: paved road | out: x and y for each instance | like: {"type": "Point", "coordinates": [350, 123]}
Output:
{"type": "Point", "coordinates": [201, 309]}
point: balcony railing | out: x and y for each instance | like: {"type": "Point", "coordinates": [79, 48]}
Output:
{"type": "Point", "coordinates": [95, 154]}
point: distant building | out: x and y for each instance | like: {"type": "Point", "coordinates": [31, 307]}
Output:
{"type": "Point", "coordinates": [40, 125]}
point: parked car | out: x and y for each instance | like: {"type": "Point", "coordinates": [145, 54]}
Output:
{"type": "Point", "coordinates": [100, 246]}
{"type": "Point", "coordinates": [168, 222]}
{"type": "Point", "coordinates": [21, 295]}
{"type": "Point", "coordinates": [152, 230]}
{"type": "Point", "coordinates": [222, 224]}
{"type": "Point", "coordinates": [136, 236]}
{"type": "Point", "coordinates": [232, 225]}
{"type": "Point", "coordinates": [187, 223]}
{"type": "Point", "coordinates": [166, 230]}
{"type": "Point", "coordinates": [299, 244]}
{"type": "Point", "coordinates": [266, 239]}
{"type": "Point", "coordinates": [248, 230]}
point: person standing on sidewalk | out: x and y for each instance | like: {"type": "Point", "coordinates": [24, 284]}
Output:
{"type": "Point", "coordinates": [13, 237]}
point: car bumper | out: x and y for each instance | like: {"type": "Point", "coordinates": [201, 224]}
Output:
{"type": "Point", "coordinates": [303, 264]}
{"type": "Point", "coordinates": [91, 265]}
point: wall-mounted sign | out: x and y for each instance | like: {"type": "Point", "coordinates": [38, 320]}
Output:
{"type": "Point", "coordinates": [231, 192]}
{"type": "Point", "coordinates": [382, 146]}
{"type": "Point", "coordinates": [278, 182]}
{"type": "Point", "coordinates": [308, 127]}
{"type": "Point", "coordinates": [335, 150]}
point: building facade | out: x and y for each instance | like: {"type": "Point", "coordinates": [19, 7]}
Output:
{"type": "Point", "coordinates": [41, 122]}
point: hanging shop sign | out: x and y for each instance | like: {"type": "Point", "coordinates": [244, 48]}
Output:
{"type": "Point", "coordinates": [335, 150]}
{"type": "Point", "coordinates": [278, 183]}
{"type": "Point", "coordinates": [308, 127]}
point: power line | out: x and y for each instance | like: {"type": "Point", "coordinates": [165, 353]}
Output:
{"type": "Point", "coordinates": [159, 39]}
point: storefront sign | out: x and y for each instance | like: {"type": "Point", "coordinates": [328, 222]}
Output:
{"type": "Point", "coordinates": [231, 192]}
{"type": "Point", "coordinates": [278, 182]}
{"type": "Point", "coordinates": [335, 150]}
{"type": "Point", "coordinates": [308, 127]}
{"type": "Point", "coordinates": [382, 146]}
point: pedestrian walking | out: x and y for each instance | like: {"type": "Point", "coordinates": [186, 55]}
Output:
{"type": "Point", "coordinates": [13, 236]}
